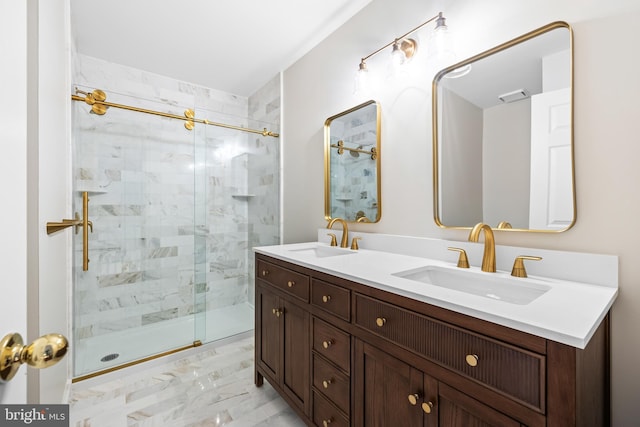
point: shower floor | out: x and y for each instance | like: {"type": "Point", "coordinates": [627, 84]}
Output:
{"type": "Point", "coordinates": [110, 350]}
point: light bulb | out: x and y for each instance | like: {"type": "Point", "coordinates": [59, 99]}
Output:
{"type": "Point", "coordinates": [397, 55]}
{"type": "Point", "coordinates": [440, 51]}
{"type": "Point", "coordinates": [361, 83]}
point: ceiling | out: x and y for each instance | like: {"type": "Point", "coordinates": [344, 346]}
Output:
{"type": "Point", "coordinates": [518, 67]}
{"type": "Point", "coordinates": [233, 45]}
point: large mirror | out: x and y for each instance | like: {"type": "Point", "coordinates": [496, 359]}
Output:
{"type": "Point", "coordinates": [352, 164]}
{"type": "Point", "coordinates": [503, 136]}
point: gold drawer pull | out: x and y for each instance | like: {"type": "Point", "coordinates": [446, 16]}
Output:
{"type": "Point", "coordinates": [326, 298]}
{"type": "Point", "coordinates": [265, 272]}
{"type": "Point", "coordinates": [380, 321]}
{"type": "Point", "coordinates": [277, 312]}
{"type": "Point", "coordinates": [413, 398]}
{"type": "Point", "coordinates": [327, 383]}
{"type": "Point", "coordinates": [472, 359]}
{"type": "Point", "coordinates": [327, 344]}
{"type": "Point", "coordinates": [290, 283]}
{"type": "Point", "coordinates": [325, 423]}
{"type": "Point", "coordinates": [427, 407]}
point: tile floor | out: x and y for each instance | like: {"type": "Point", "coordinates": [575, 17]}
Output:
{"type": "Point", "coordinates": [212, 387]}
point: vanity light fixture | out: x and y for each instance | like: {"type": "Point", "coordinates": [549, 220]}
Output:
{"type": "Point", "coordinates": [404, 48]}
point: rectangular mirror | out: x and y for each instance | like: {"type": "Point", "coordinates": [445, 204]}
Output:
{"type": "Point", "coordinates": [352, 164]}
{"type": "Point", "coordinates": [503, 136]}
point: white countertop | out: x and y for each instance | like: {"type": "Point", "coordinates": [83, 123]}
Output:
{"type": "Point", "coordinates": [569, 312]}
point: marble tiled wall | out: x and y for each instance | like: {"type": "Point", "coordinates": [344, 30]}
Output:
{"type": "Point", "coordinates": [173, 223]}
{"type": "Point", "coordinates": [264, 178]}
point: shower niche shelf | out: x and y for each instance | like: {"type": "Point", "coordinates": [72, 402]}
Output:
{"type": "Point", "coordinates": [243, 196]}
{"type": "Point", "coordinates": [90, 191]}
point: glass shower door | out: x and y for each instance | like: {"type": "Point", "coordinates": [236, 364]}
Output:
{"type": "Point", "coordinates": [138, 297]}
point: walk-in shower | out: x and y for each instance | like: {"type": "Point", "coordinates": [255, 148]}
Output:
{"type": "Point", "coordinates": [175, 210]}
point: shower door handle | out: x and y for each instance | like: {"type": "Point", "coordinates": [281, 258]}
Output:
{"type": "Point", "coordinates": [77, 222]}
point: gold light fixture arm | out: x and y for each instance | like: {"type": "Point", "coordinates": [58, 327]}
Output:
{"type": "Point", "coordinates": [400, 39]}
{"type": "Point", "coordinates": [43, 352]}
{"type": "Point", "coordinates": [99, 105]}
{"type": "Point", "coordinates": [77, 222]}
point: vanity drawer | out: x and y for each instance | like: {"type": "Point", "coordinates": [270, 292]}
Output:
{"type": "Point", "coordinates": [332, 298]}
{"type": "Point", "coordinates": [515, 372]}
{"type": "Point", "coordinates": [332, 383]}
{"type": "Point", "coordinates": [332, 343]}
{"type": "Point", "coordinates": [284, 279]}
{"type": "Point", "coordinates": [325, 414]}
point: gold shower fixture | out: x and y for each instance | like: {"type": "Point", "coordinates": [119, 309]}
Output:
{"type": "Point", "coordinates": [95, 99]}
{"type": "Point", "coordinates": [99, 105]}
{"type": "Point", "coordinates": [341, 147]}
{"type": "Point", "coordinates": [189, 124]}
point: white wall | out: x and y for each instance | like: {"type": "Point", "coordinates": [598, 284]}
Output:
{"type": "Point", "coordinates": [461, 194]}
{"type": "Point", "coordinates": [606, 129]}
{"type": "Point", "coordinates": [506, 153]}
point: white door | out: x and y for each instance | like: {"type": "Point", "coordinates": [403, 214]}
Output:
{"type": "Point", "coordinates": [551, 203]}
{"type": "Point", "coordinates": [13, 182]}
{"type": "Point", "coordinates": [35, 184]}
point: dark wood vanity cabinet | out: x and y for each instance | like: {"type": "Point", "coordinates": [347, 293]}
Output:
{"type": "Point", "coordinates": [345, 354]}
{"type": "Point", "coordinates": [396, 393]}
{"type": "Point", "coordinates": [282, 333]}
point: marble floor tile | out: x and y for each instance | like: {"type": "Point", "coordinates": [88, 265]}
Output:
{"type": "Point", "coordinates": [213, 387]}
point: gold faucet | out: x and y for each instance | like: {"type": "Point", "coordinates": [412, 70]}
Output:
{"type": "Point", "coordinates": [489, 256]}
{"type": "Point", "coordinates": [345, 231]}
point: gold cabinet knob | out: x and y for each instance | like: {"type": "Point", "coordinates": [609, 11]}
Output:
{"type": "Point", "coordinates": [325, 423]}
{"type": "Point", "coordinates": [413, 398]}
{"type": "Point", "coordinates": [327, 344]}
{"type": "Point", "coordinates": [327, 383]}
{"type": "Point", "coordinates": [265, 272]}
{"type": "Point", "coordinates": [326, 298]}
{"type": "Point", "coordinates": [427, 407]}
{"type": "Point", "coordinates": [277, 312]}
{"type": "Point", "coordinates": [290, 283]}
{"type": "Point", "coordinates": [472, 359]}
{"type": "Point", "coordinates": [380, 321]}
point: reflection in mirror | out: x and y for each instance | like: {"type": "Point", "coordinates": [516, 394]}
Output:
{"type": "Point", "coordinates": [503, 136]}
{"type": "Point", "coordinates": [352, 164]}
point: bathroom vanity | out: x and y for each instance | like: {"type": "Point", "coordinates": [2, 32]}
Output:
{"type": "Point", "coordinates": [343, 348]}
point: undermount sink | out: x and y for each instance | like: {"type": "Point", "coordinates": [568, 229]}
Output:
{"type": "Point", "coordinates": [488, 285]}
{"type": "Point", "coordinates": [323, 251]}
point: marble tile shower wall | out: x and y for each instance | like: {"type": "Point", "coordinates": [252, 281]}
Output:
{"type": "Point", "coordinates": [264, 178]}
{"type": "Point", "coordinates": [140, 171]}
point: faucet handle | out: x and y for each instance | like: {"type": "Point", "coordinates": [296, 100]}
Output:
{"type": "Point", "coordinates": [354, 243]}
{"type": "Point", "coordinates": [463, 261]}
{"type": "Point", "coordinates": [518, 269]}
{"type": "Point", "coordinates": [334, 242]}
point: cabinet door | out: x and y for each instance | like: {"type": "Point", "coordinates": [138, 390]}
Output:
{"type": "Point", "coordinates": [456, 409]}
{"type": "Point", "coordinates": [295, 354]}
{"type": "Point", "coordinates": [385, 383]}
{"type": "Point", "coordinates": [268, 337]}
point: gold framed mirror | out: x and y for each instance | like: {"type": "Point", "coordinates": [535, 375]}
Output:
{"type": "Point", "coordinates": [352, 164]}
{"type": "Point", "coordinates": [503, 136]}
